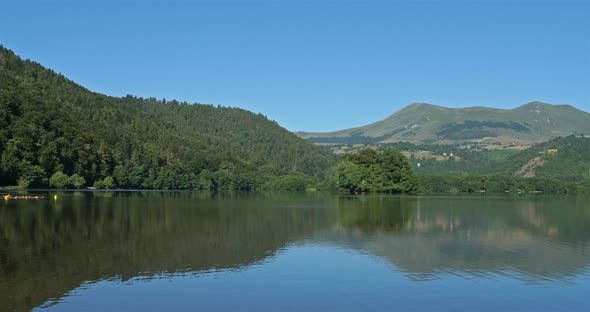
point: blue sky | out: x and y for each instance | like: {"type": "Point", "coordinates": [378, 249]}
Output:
{"type": "Point", "coordinates": [314, 65]}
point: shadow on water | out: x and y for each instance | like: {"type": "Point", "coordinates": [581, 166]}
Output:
{"type": "Point", "coordinates": [48, 248]}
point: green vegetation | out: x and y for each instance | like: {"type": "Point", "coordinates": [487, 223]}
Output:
{"type": "Point", "coordinates": [564, 158]}
{"type": "Point", "coordinates": [60, 180]}
{"type": "Point", "coordinates": [457, 159]}
{"type": "Point", "coordinates": [560, 165]}
{"type": "Point", "coordinates": [440, 158]}
{"type": "Point", "coordinates": [54, 132]}
{"type": "Point", "coordinates": [473, 129]}
{"type": "Point", "coordinates": [355, 137]}
{"type": "Point", "coordinates": [442, 183]}
{"type": "Point", "coordinates": [371, 171]}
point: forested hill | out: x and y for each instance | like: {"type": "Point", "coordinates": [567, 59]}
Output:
{"type": "Point", "coordinates": [564, 158]}
{"type": "Point", "coordinates": [50, 124]}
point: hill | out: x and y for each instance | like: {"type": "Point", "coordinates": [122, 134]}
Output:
{"type": "Point", "coordinates": [425, 123]}
{"type": "Point", "coordinates": [563, 158]}
{"type": "Point", "coordinates": [560, 165]}
{"type": "Point", "coordinates": [50, 124]}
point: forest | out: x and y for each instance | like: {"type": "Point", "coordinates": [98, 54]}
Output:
{"type": "Point", "coordinates": [56, 133]}
{"type": "Point", "coordinates": [473, 129]}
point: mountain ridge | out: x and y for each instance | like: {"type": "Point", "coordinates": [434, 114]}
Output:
{"type": "Point", "coordinates": [529, 123]}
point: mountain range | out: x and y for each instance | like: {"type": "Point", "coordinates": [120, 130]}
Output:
{"type": "Point", "coordinates": [426, 123]}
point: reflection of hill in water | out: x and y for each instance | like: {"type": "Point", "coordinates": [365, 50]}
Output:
{"type": "Point", "coordinates": [543, 238]}
{"type": "Point", "coordinates": [48, 249]}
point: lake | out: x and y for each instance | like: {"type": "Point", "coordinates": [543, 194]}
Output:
{"type": "Point", "coordinates": [153, 251]}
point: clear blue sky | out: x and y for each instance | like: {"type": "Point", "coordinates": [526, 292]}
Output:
{"type": "Point", "coordinates": [314, 65]}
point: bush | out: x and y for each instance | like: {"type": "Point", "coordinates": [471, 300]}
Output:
{"type": "Point", "coordinates": [109, 182]}
{"type": "Point", "coordinates": [59, 180]}
{"type": "Point", "coordinates": [292, 182]}
{"type": "Point", "coordinates": [77, 181]}
{"type": "Point", "coordinates": [98, 184]}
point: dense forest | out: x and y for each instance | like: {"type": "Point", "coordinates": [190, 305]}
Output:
{"type": "Point", "coordinates": [56, 133]}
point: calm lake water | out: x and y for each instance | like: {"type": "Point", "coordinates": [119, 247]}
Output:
{"type": "Point", "coordinates": [155, 251]}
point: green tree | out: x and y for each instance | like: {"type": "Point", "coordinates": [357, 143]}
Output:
{"type": "Point", "coordinates": [109, 182]}
{"type": "Point", "coordinates": [77, 181]}
{"type": "Point", "coordinates": [292, 182]}
{"type": "Point", "coordinates": [120, 176]}
{"type": "Point", "coordinates": [205, 180]}
{"type": "Point", "coordinates": [349, 176]}
{"type": "Point", "coordinates": [98, 184]}
{"type": "Point", "coordinates": [369, 170]}
{"type": "Point", "coordinates": [59, 180]}
{"type": "Point", "coordinates": [32, 176]}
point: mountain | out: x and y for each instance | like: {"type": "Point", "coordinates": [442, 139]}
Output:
{"type": "Point", "coordinates": [426, 123]}
{"type": "Point", "coordinates": [50, 124]}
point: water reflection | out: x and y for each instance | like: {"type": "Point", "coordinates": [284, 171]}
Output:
{"type": "Point", "coordinates": [532, 240]}
{"type": "Point", "coordinates": [48, 248]}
